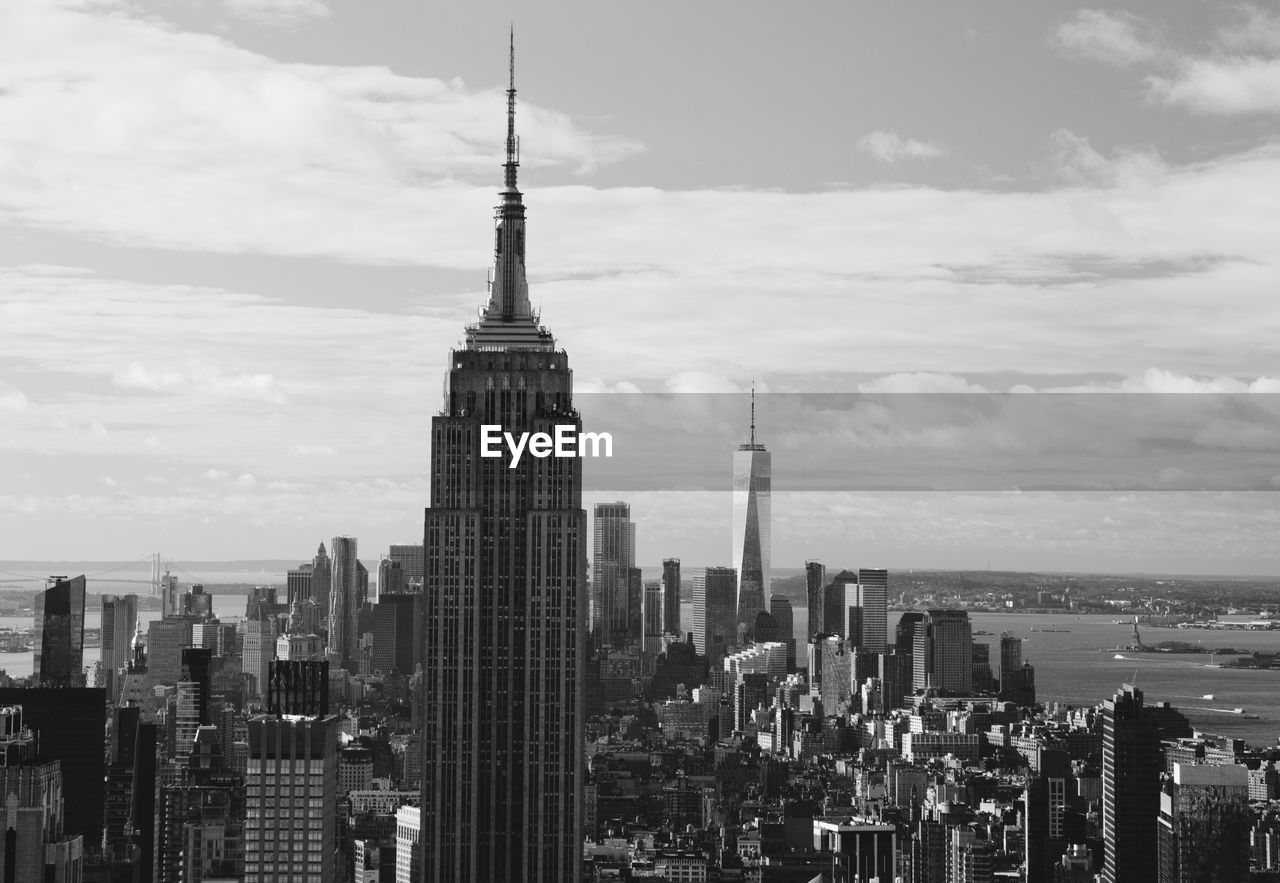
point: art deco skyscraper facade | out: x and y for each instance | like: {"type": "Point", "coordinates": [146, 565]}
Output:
{"type": "Point", "coordinates": [752, 468]}
{"type": "Point", "coordinates": [505, 579]}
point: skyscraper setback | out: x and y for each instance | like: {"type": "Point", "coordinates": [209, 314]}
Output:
{"type": "Point", "coordinates": [752, 466]}
{"type": "Point", "coordinates": [505, 572]}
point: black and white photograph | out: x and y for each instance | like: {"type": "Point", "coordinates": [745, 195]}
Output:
{"type": "Point", "coordinates": [688, 442]}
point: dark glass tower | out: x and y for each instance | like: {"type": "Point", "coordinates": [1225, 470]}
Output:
{"type": "Point", "coordinates": [59, 633]}
{"type": "Point", "coordinates": [505, 612]}
{"type": "Point", "coordinates": [1131, 764]}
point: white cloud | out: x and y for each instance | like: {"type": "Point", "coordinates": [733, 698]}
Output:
{"type": "Point", "coordinates": [314, 450]}
{"type": "Point", "coordinates": [245, 481]}
{"type": "Point", "coordinates": [1254, 30]}
{"type": "Point", "coordinates": [97, 429]}
{"type": "Point", "coordinates": [201, 379]}
{"type": "Point", "coordinates": [148, 135]}
{"type": "Point", "coordinates": [217, 475]}
{"type": "Point", "coordinates": [1074, 160]}
{"type": "Point", "coordinates": [1222, 85]}
{"type": "Point", "coordinates": [277, 12]}
{"type": "Point", "coordinates": [890, 147]}
{"type": "Point", "coordinates": [109, 481]}
{"type": "Point", "coordinates": [1114, 38]}
{"type": "Point", "coordinates": [920, 382]}
{"type": "Point", "coordinates": [701, 382]}
{"type": "Point", "coordinates": [12, 398]}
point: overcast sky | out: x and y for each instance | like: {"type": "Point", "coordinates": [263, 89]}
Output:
{"type": "Point", "coordinates": [239, 237]}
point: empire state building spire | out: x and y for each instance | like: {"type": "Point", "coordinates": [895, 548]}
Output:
{"type": "Point", "coordinates": [508, 319]}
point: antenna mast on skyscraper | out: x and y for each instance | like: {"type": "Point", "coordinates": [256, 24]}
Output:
{"type": "Point", "coordinates": [753, 413]}
{"type": "Point", "coordinates": [513, 143]}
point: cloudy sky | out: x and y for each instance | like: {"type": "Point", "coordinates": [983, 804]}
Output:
{"type": "Point", "coordinates": [239, 237]}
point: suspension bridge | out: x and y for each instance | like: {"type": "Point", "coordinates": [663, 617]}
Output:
{"type": "Point", "coordinates": [159, 567]}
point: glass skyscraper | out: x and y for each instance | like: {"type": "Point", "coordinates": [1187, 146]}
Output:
{"type": "Point", "coordinates": [752, 466]}
{"type": "Point", "coordinates": [59, 634]}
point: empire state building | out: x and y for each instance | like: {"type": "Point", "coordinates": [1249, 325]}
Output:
{"type": "Point", "coordinates": [505, 606]}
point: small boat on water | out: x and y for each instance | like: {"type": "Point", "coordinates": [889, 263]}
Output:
{"type": "Point", "coordinates": [1207, 696]}
{"type": "Point", "coordinates": [1057, 631]}
{"type": "Point", "coordinates": [1119, 656]}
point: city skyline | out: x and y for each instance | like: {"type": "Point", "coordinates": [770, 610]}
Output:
{"type": "Point", "coordinates": [1096, 218]}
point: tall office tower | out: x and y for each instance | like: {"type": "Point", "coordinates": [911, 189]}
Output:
{"type": "Point", "coordinates": [1017, 678]}
{"type": "Point", "coordinates": [671, 597]}
{"type": "Point", "coordinates": [298, 583]}
{"type": "Point", "coordinates": [837, 597]}
{"type": "Point", "coordinates": [983, 682]}
{"type": "Point", "coordinates": [780, 608]}
{"type": "Point", "coordinates": [192, 699]}
{"type": "Point", "coordinates": [715, 613]}
{"type": "Point", "coordinates": [165, 640]}
{"type": "Point", "coordinates": [291, 798]}
{"type": "Point", "coordinates": [321, 579]}
{"type": "Point", "coordinates": [614, 555]}
{"type": "Point", "coordinates": [397, 633]}
{"type": "Point", "coordinates": [170, 597]}
{"type": "Point", "coordinates": [118, 833]}
{"type": "Point", "coordinates": [142, 808]}
{"type": "Point", "coordinates": [635, 606]}
{"type": "Point", "coordinates": [258, 646]}
{"type": "Point", "coordinates": [752, 467]}
{"type": "Point", "coordinates": [905, 633]}
{"type": "Point", "coordinates": [391, 579]}
{"type": "Point", "coordinates": [119, 620]}
{"type": "Point", "coordinates": [873, 598]}
{"type": "Point", "coordinates": [652, 641]}
{"type": "Point", "coordinates": [1010, 656]}
{"type": "Point", "coordinates": [362, 584]}
{"type": "Point", "coordinates": [1131, 765]}
{"type": "Point", "coordinates": [815, 582]}
{"type": "Point", "coordinates": [894, 671]}
{"type": "Point", "coordinates": [1204, 824]}
{"type": "Point", "coordinates": [343, 604]}
{"type": "Point", "coordinates": [503, 661]}
{"type": "Point", "coordinates": [410, 559]}
{"type": "Point", "coordinates": [59, 634]}
{"type": "Point", "coordinates": [942, 654]}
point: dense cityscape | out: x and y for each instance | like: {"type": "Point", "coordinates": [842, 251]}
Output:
{"type": "Point", "coordinates": [510, 699]}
